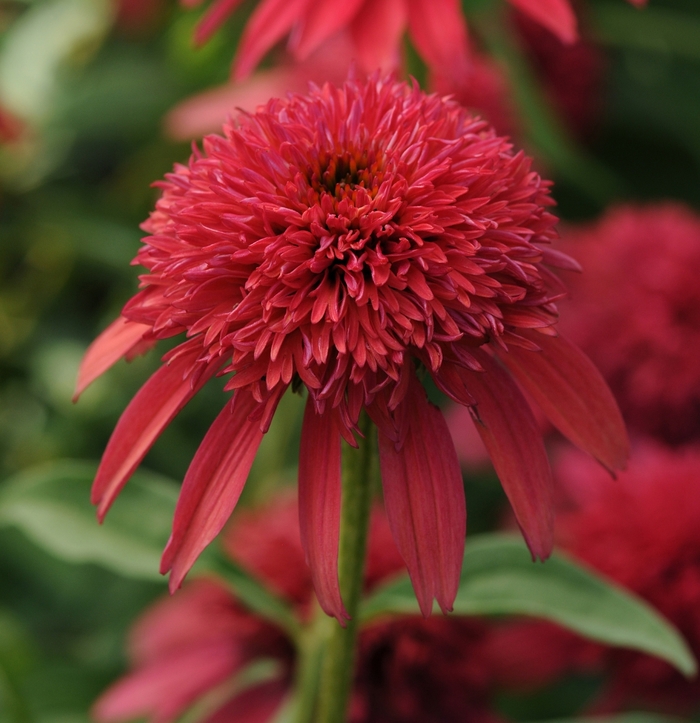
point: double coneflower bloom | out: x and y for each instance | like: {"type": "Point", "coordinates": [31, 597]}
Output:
{"type": "Point", "coordinates": [353, 241]}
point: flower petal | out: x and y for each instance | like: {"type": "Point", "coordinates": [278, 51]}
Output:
{"type": "Point", "coordinates": [271, 20]}
{"type": "Point", "coordinates": [319, 506]}
{"type": "Point", "coordinates": [376, 33]}
{"type": "Point", "coordinates": [164, 689]}
{"type": "Point", "coordinates": [115, 342]}
{"type": "Point", "coordinates": [148, 414]}
{"type": "Point", "coordinates": [424, 499]}
{"type": "Point", "coordinates": [323, 18]}
{"type": "Point", "coordinates": [212, 485]}
{"type": "Point", "coordinates": [214, 18]}
{"type": "Point", "coordinates": [514, 442]}
{"type": "Point", "coordinates": [555, 15]}
{"type": "Point", "coordinates": [573, 394]}
{"type": "Point", "coordinates": [439, 32]}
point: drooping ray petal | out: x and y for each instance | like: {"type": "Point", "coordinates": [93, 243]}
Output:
{"type": "Point", "coordinates": [319, 506]}
{"type": "Point", "coordinates": [573, 394]}
{"type": "Point", "coordinates": [376, 35]}
{"type": "Point", "coordinates": [115, 342]}
{"type": "Point", "coordinates": [555, 15]}
{"type": "Point", "coordinates": [212, 485]}
{"type": "Point", "coordinates": [214, 19]}
{"type": "Point", "coordinates": [439, 32]}
{"type": "Point", "coordinates": [514, 442]}
{"type": "Point", "coordinates": [323, 18]}
{"type": "Point", "coordinates": [148, 414]}
{"type": "Point", "coordinates": [271, 20]}
{"type": "Point", "coordinates": [424, 499]}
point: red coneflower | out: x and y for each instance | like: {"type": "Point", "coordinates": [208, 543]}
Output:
{"type": "Point", "coordinates": [437, 29]}
{"type": "Point", "coordinates": [350, 241]}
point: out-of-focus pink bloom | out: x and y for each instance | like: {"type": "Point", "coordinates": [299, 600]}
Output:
{"type": "Point", "coordinates": [186, 646]}
{"type": "Point", "coordinates": [11, 128]}
{"type": "Point", "coordinates": [437, 29]}
{"type": "Point", "coordinates": [642, 532]}
{"type": "Point", "coordinates": [376, 27]}
{"type": "Point", "coordinates": [409, 670]}
{"type": "Point", "coordinates": [206, 112]}
{"type": "Point", "coordinates": [342, 241]}
{"type": "Point", "coordinates": [640, 294]}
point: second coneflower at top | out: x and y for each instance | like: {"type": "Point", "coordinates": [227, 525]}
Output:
{"type": "Point", "coordinates": [437, 29]}
{"type": "Point", "coordinates": [351, 241]}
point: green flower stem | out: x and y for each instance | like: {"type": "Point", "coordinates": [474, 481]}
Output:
{"type": "Point", "coordinates": [359, 467]}
{"type": "Point", "coordinates": [310, 649]}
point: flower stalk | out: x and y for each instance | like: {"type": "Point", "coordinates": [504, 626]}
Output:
{"type": "Point", "coordinates": [359, 466]}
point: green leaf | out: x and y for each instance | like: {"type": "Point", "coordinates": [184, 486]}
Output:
{"type": "Point", "coordinates": [51, 505]}
{"type": "Point", "coordinates": [499, 577]}
{"type": "Point", "coordinates": [249, 591]}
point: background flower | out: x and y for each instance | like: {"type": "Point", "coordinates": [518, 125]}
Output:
{"type": "Point", "coordinates": [638, 293]}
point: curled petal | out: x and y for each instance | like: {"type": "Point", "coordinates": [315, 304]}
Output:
{"type": "Point", "coordinates": [119, 339]}
{"type": "Point", "coordinates": [319, 506]}
{"type": "Point", "coordinates": [439, 32]}
{"type": "Point", "coordinates": [513, 439]}
{"type": "Point", "coordinates": [424, 498]}
{"type": "Point", "coordinates": [555, 15]}
{"type": "Point", "coordinates": [573, 394]}
{"type": "Point", "coordinates": [212, 485]}
{"type": "Point", "coordinates": [148, 414]}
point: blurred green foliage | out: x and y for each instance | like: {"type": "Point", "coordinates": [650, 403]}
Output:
{"type": "Point", "coordinates": [72, 196]}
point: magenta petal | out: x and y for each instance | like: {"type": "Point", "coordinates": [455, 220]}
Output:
{"type": "Point", "coordinates": [424, 499]}
{"type": "Point", "coordinates": [514, 442]}
{"type": "Point", "coordinates": [555, 15]}
{"type": "Point", "coordinates": [215, 17]}
{"type": "Point", "coordinates": [376, 34]}
{"type": "Point", "coordinates": [257, 704]}
{"type": "Point", "coordinates": [439, 32]}
{"type": "Point", "coordinates": [573, 394]}
{"type": "Point", "coordinates": [164, 689]}
{"type": "Point", "coordinates": [212, 485]}
{"type": "Point", "coordinates": [148, 414]}
{"type": "Point", "coordinates": [115, 342]}
{"type": "Point", "coordinates": [271, 20]}
{"type": "Point", "coordinates": [323, 18]}
{"type": "Point", "coordinates": [319, 506]}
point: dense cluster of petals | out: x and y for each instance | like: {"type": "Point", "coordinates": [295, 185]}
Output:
{"type": "Point", "coordinates": [351, 241]}
{"type": "Point", "coordinates": [640, 294]}
{"type": "Point", "coordinates": [642, 532]}
{"type": "Point", "coordinates": [184, 648]}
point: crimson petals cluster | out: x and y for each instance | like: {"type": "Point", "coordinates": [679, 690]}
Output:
{"type": "Point", "coordinates": [351, 241]}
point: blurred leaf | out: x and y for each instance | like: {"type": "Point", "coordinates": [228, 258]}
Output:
{"type": "Point", "coordinates": [499, 577]}
{"type": "Point", "coordinates": [51, 505]}
{"type": "Point", "coordinates": [16, 657]}
{"type": "Point", "coordinates": [251, 592]}
{"type": "Point", "coordinates": [36, 46]}
{"type": "Point", "coordinates": [656, 29]}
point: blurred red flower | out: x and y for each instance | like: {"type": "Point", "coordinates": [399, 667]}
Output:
{"type": "Point", "coordinates": [437, 29]}
{"type": "Point", "coordinates": [646, 306]}
{"type": "Point", "coordinates": [190, 647]}
{"type": "Point", "coordinates": [642, 532]}
{"type": "Point", "coordinates": [348, 241]}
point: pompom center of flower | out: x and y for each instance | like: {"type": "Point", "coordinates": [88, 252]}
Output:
{"type": "Point", "coordinates": [342, 172]}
